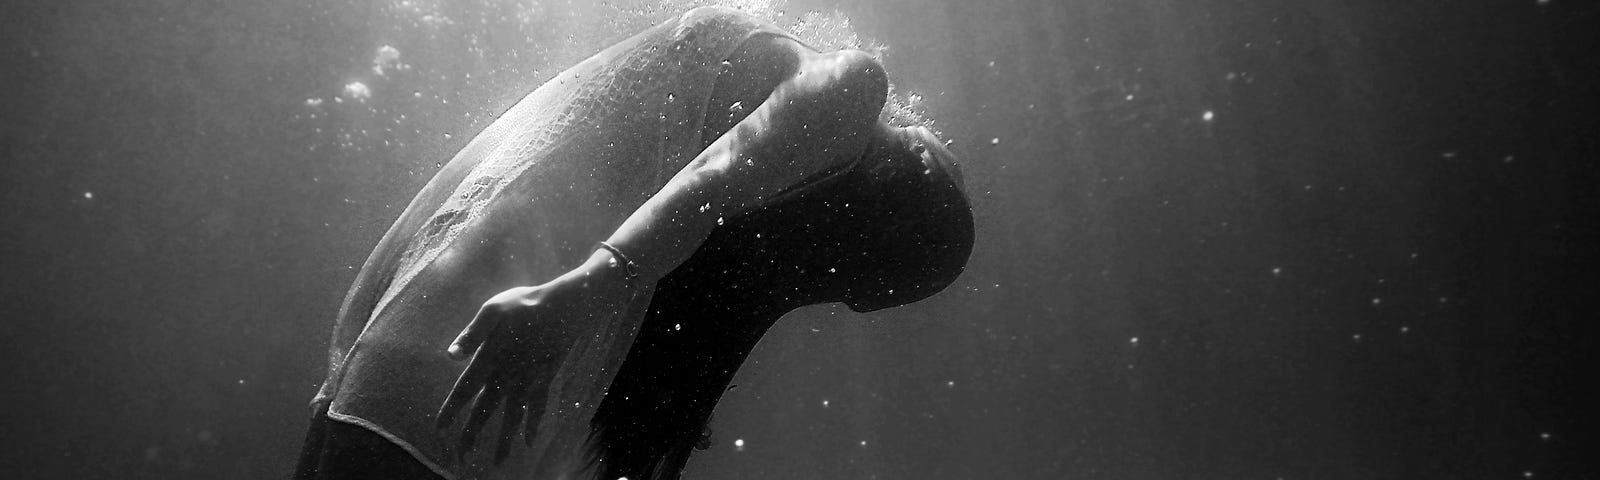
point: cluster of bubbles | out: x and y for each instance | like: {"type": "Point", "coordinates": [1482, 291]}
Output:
{"type": "Point", "coordinates": [505, 45]}
{"type": "Point", "coordinates": [350, 119]}
{"type": "Point", "coordinates": [823, 30]}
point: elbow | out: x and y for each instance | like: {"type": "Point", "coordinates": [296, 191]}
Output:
{"type": "Point", "coordinates": [845, 88]}
{"type": "Point", "coordinates": [861, 83]}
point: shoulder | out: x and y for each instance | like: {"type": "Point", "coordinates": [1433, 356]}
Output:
{"type": "Point", "coordinates": [707, 14]}
{"type": "Point", "coordinates": [716, 22]}
{"type": "Point", "coordinates": [712, 33]}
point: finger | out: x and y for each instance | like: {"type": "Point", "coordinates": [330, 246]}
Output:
{"type": "Point", "coordinates": [535, 388]}
{"type": "Point", "coordinates": [481, 410]}
{"type": "Point", "coordinates": [469, 386]}
{"type": "Point", "coordinates": [511, 421]}
{"type": "Point", "coordinates": [520, 406]}
{"type": "Point", "coordinates": [458, 398]}
{"type": "Point", "coordinates": [536, 401]}
{"type": "Point", "coordinates": [473, 335]}
{"type": "Point", "coordinates": [463, 448]}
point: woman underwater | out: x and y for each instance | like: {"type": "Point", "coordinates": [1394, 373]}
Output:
{"type": "Point", "coordinates": [706, 176]}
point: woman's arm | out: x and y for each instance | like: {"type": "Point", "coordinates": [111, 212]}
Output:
{"type": "Point", "coordinates": [820, 117]}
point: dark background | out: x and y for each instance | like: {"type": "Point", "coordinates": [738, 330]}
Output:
{"type": "Point", "coordinates": [1375, 258]}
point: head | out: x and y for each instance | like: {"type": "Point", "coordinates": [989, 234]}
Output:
{"type": "Point", "coordinates": [918, 143]}
{"type": "Point", "coordinates": [891, 228]}
{"type": "Point", "coordinates": [911, 217]}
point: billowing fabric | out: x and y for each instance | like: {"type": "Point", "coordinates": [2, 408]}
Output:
{"type": "Point", "coordinates": [520, 204]}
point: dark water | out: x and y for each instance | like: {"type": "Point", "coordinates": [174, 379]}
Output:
{"type": "Point", "coordinates": [1216, 239]}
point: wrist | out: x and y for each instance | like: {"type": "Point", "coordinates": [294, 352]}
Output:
{"type": "Point", "coordinates": [610, 268]}
{"type": "Point", "coordinates": [618, 259]}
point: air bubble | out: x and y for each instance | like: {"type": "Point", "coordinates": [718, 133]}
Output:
{"type": "Point", "coordinates": [387, 58]}
{"type": "Point", "coordinates": [357, 91]}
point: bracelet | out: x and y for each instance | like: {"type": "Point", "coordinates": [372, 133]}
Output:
{"type": "Point", "coordinates": [628, 267]}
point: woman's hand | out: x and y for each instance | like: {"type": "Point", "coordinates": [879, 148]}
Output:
{"type": "Point", "coordinates": [517, 343]}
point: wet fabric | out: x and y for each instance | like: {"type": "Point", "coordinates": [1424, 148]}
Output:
{"type": "Point", "coordinates": [335, 450]}
{"type": "Point", "coordinates": [520, 204]}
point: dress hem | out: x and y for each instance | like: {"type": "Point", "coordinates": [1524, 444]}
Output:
{"type": "Point", "coordinates": [395, 439]}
